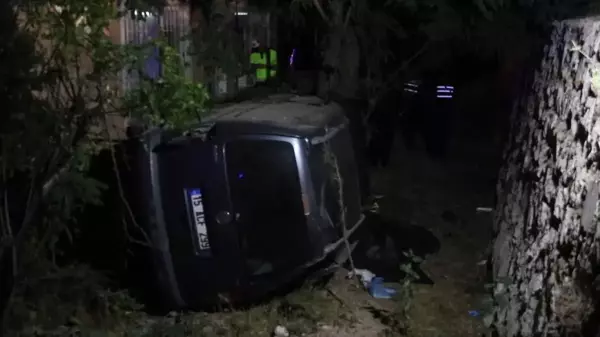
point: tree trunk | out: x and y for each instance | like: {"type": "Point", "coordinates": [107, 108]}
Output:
{"type": "Point", "coordinates": [342, 55]}
{"type": "Point", "coordinates": [546, 249]}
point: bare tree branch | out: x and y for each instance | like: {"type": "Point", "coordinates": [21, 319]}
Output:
{"type": "Point", "coordinates": [317, 4]}
{"type": "Point", "coordinates": [348, 16]}
{"type": "Point", "coordinates": [386, 87]}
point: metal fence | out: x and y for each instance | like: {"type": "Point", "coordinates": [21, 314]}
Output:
{"type": "Point", "coordinates": [140, 27]}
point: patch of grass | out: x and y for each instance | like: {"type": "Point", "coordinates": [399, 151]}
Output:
{"type": "Point", "coordinates": [57, 301]}
{"type": "Point", "coordinates": [307, 310]}
{"type": "Point", "coordinates": [301, 312]}
{"type": "Point", "coordinates": [75, 302]}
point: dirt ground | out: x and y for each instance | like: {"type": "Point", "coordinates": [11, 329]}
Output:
{"type": "Point", "coordinates": [443, 197]}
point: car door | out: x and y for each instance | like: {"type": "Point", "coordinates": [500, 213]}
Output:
{"type": "Point", "coordinates": [203, 248]}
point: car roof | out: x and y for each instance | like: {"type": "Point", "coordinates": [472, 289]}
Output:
{"type": "Point", "coordinates": [284, 113]}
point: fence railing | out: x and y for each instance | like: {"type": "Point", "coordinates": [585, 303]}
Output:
{"type": "Point", "coordinates": [140, 27]}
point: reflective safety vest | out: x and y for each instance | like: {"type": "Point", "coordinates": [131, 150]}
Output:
{"type": "Point", "coordinates": [445, 92]}
{"type": "Point", "coordinates": [411, 87]}
{"type": "Point", "coordinates": [260, 60]}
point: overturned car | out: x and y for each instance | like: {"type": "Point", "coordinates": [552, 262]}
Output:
{"type": "Point", "coordinates": [258, 193]}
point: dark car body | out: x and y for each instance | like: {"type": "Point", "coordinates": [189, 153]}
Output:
{"type": "Point", "coordinates": [247, 200]}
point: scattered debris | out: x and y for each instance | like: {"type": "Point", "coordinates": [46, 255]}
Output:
{"type": "Point", "coordinates": [281, 331]}
{"type": "Point", "coordinates": [474, 313]}
{"type": "Point", "coordinates": [374, 285]}
{"type": "Point", "coordinates": [364, 275]}
{"type": "Point", "coordinates": [377, 289]}
{"type": "Point", "coordinates": [326, 327]}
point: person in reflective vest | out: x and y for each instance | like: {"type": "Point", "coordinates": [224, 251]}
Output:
{"type": "Point", "coordinates": [263, 59]}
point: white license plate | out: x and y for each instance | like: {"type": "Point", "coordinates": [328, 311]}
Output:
{"type": "Point", "coordinates": [199, 219]}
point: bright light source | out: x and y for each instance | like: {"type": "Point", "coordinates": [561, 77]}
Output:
{"type": "Point", "coordinates": [137, 13]}
{"type": "Point", "coordinates": [292, 56]}
{"type": "Point", "coordinates": [445, 91]}
{"type": "Point", "coordinates": [412, 87]}
{"type": "Point", "coordinates": [241, 13]}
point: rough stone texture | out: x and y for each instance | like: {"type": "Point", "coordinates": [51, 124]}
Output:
{"type": "Point", "coordinates": [546, 249]}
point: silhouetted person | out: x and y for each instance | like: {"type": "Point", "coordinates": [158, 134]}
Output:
{"type": "Point", "coordinates": [383, 128]}
{"type": "Point", "coordinates": [427, 115]}
{"type": "Point", "coordinates": [440, 118]}
{"type": "Point", "coordinates": [415, 122]}
{"type": "Point", "coordinates": [263, 60]}
{"type": "Point", "coordinates": [413, 110]}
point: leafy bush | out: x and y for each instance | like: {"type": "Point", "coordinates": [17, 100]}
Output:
{"type": "Point", "coordinates": [60, 75]}
{"type": "Point", "coordinates": [172, 100]}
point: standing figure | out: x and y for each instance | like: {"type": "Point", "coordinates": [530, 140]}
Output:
{"type": "Point", "coordinates": [419, 99]}
{"type": "Point", "coordinates": [383, 128]}
{"type": "Point", "coordinates": [413, 110]}
{"type": "Point", "coordinates": [263, 61]}
{"type": "Point", "coordinates": [439, 119]}
{"type": "Point", "coordinates": [427, 114]}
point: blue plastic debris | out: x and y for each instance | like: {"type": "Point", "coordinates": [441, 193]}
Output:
{"type": "Point", "coordinates": [378, 290]}
{"type": "Point", "coordinates": [474, 313]}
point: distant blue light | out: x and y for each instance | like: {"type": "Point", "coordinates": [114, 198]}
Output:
{"type": "Point", "coordinates": [196, 192]}
{"type": "Point", "coordinates": [292, 56]}
{"type": "Point", "coordinates": [240, 176]}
